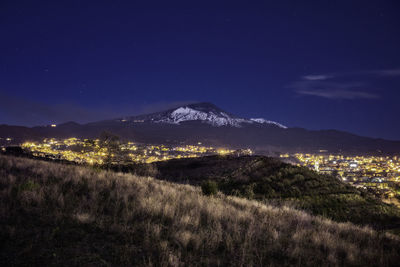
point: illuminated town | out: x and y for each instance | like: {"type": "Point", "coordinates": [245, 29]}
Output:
{"type": "Point", "coordinates": [98, 152]}
{"type": "Point", "coordinates": [381, 175]}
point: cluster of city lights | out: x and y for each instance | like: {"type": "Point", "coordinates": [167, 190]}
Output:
{"type": "Point", "coordinates": [96, 152]}
{"type": "Point", "coordinates": [382, 174]}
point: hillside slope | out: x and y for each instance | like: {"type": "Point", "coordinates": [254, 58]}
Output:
{"type": "Point", "coordinates": [269, 179]}
{"type": "Point", "coordinates": [54, 214]}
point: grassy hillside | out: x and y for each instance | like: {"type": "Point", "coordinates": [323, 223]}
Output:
{"type": "Point", "coordinates": [263, 178]}
{"type": "Point", "coordinates": [68, 215]}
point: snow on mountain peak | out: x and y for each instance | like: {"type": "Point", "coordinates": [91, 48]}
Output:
{"type": "Point", "coordinates": [212, 117]}
{"type": "Point", "coordinates": [202, 112]}
{"type": "Point", "coordinates": [264, 121]}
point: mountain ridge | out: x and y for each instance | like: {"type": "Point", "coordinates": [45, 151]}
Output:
{"type": "Point", "coordinates": [210, 126]}
{"type": "Point", "coordinates": [203, 111]}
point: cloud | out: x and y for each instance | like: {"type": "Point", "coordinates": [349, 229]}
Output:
{"type": "Point", "coordinates": [333, 90]}
{"type": "Point", "coordinates": [382, 72]}
{"type": "Point", "coordinates": [341, 85]}
{"type": "Point", "coordinates": [387, 72]}
{"type": "Point", "coordinates": [317, 77]}
{"type": "Point", "coordinates": [318, 84]}
{"type": "Point", "coordinates": [338, 94]}
{"type": "Point", "coordinates": [21, 111]}
{"type": "Point", "coordinates": [161, 106]}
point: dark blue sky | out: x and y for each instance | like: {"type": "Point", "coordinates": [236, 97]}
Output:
{"type": "Point", "coordinates": [313, 64]}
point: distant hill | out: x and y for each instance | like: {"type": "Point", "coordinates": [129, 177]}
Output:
{"type": "Point", "coordinates": [206, 123]}
{"type": "Point", "coordinates": [59, 215]}
{"type": "Point", "coordinates": [269, 179]}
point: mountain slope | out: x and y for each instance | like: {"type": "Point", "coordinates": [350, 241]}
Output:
{"type": "Point", "coordinates": [199, 112]}
{"type": "Point", "coordinates": [206, 123]}
{"type": "Point", "coordinates": [53, 214]}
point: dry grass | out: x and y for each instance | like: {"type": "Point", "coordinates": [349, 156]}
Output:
{"type": "Point", "coordinates": [68, 215]}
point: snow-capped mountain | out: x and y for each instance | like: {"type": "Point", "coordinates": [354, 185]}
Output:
{"type": "Point", "coordinates": [189, 114]}
{"type": "Point", "coordinates": [264, 121]}
{"type": "Point", "coordinates": [201, 112]}
{"type": "Point", "coordinates": [206, 123]}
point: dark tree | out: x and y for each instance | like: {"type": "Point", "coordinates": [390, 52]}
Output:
{"type": "Point", "coordinates": [112, 143]}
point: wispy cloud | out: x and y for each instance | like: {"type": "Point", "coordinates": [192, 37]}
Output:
{"type": "Point", "coordinates": [161, 106]}
{"type": "Point", "coordinates": [338, 94]}
{"type": "Point", "coordinates": [333, 90]}
{"type": "Point", "coordinates": [341, 85]}
{"type": "Point", "coordinates": [318, 84]}
{"type": "Point", "coordinates": [20, 111]}
{"type": "Point", "coordinates": [387, 72]}
{"type": "Point", "coordinates": [317, 77]}
{"type": "Point", "coordinates": [325, 76]}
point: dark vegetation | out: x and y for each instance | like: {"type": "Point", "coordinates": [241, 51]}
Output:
{"type": "Point", "coordinates": [64, 215]}
{"type": "Point", "coordinates": [209, 188]}
{"type": "Point", "coordinates": [264, 179]}
{"type": "Point", "coordinates": [268, 179]}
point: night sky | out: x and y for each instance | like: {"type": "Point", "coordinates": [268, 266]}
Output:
{"type": "Point", "coordinates": [312, 64]}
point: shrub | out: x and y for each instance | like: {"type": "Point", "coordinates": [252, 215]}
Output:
{"type": "Point", "coordinates": [209, 188]}
{"type": "Point", "coordinates": [249, 191]}
{"type": "Point", "coordinates": [28, 186]}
